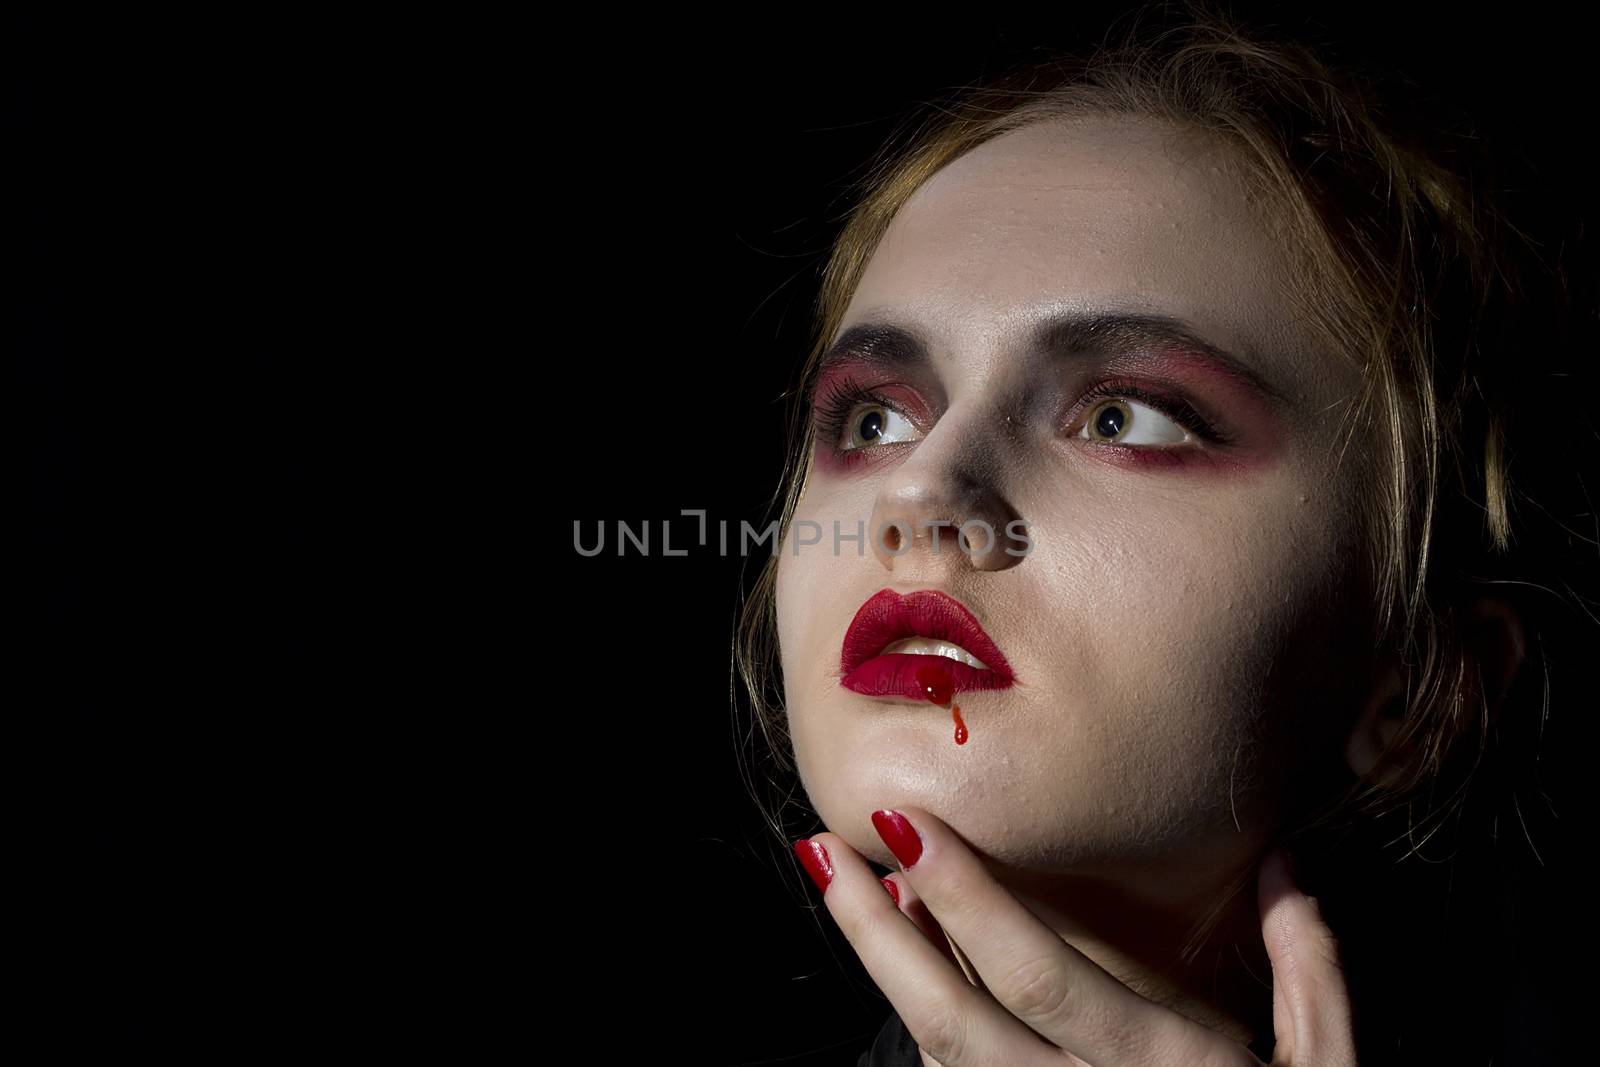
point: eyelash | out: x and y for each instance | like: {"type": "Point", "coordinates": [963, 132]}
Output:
{"type": "Point", "coordinates": [1175, 408]}
{"type": "Point", "coordinates": [834, 408]}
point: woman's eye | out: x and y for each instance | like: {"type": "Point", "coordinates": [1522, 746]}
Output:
{"type": "Point", "coordinates": [876, 425]}
{"type": "Point", "coordinates": [1128, 422]}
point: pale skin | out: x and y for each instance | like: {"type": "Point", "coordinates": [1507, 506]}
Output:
{"type": "Point", "coordinates": [1184, 634]}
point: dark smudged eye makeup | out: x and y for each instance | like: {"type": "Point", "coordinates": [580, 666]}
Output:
{"type": "Point", "coordinates": [850, 418]}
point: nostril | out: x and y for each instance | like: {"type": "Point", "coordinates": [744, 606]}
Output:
{"type": "Point", "coordinates": [891, 538]}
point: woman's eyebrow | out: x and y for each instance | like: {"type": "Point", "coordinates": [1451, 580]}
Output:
{"type": "Point", "coordinates": [882, 345]}
{"type": "Point", "coordinates": [1114, 333]}
{"type": "Point", "coordinates": [888, 346]}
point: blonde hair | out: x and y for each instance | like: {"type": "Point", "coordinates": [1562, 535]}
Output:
{"type": "Point", "coordinates": [1405, 269]}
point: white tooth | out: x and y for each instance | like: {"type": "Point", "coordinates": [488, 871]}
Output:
{"type": "Point", "coordinates": [927, 646]}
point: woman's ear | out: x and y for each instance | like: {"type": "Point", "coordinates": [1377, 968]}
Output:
{"type": "Point", "coordinates": [1380, 719]}
{"type": "Point", "coordinates": [1494, 643]}
{"type": "Point", "coordinates": [1497, 642]}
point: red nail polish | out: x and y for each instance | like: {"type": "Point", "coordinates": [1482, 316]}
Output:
{"type": "Point", "coordinates": [814, 858]}
{"type": "Point", "coordinates": [894, 890]}
{"type": "Point", "coordinates": [901, 837]}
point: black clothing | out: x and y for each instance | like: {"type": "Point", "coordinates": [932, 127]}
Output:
{"type": "Point", "coordinates": [895, 1047]}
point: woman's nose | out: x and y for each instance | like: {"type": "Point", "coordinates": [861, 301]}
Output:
{"type": "Point", "coordinates": [945, 507]}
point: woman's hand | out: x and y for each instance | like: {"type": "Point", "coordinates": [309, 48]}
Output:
{"type": "Point", "coordinates": [1046, 1002]}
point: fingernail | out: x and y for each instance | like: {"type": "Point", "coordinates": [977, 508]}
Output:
{"type": "Point", "coordinates": [894, 890]}
{"type": "Point", "coordinates": [901, 837]}
{"type": "Point", "coordinates": [814, 858]}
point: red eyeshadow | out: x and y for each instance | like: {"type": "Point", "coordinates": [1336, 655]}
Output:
{"type": "Point", "coordinates": [1242, 410]}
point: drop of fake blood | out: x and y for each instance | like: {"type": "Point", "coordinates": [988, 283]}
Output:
{"type": "Point", "coordinates": [938, 687]}
{"type": "Point", "coordinates": [936, 683]}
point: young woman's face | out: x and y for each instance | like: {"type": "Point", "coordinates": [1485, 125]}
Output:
{"type": "Point", "coordinates": [1183, 617]}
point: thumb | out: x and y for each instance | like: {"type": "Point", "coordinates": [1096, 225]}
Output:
{"type": "Point", "coordinates": [1310, 1001]}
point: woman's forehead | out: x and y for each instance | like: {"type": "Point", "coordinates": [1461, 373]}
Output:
{"type": "Point", "coordinates": [1052, 210]}
{"type": "Point", "coordinates": [1106, 214]}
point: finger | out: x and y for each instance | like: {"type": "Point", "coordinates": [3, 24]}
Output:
{"type": "Point", "coordinates": [1310, 1000]}
{"type": "Point", "coordinates": [950, 1020]}
{"type": "Point", "coordinates": [1042, 980]}
{"type": "Point", "coordinates": [912, 907]}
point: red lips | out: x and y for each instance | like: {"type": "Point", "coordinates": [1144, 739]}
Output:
{"type": "Point", "coordinates": [887, 616]}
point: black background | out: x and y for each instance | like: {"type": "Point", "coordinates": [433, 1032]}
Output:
{"type": "Point", "coordinates": [325, 331]}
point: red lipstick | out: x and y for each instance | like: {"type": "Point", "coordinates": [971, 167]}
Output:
{"type": "Point", "coordinates": [888, 617]}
